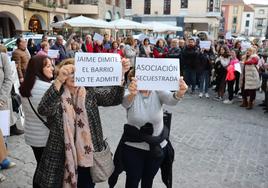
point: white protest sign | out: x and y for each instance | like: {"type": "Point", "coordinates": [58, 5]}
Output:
{"type": "Point", "coordinates": [238, 67]}
{"type": "Point", "coordinates": [228, 35]}
{"type": "Point", "coordinates": [152, 40]}
{"type": "Point", "coordinates": [98, 37]}
{"type": "Point", "coordinates": [245, 45]}
{"type": "Point", "coordinates": [205, 44]}
{"type": "Point", "coordinates": [98, 69]}
{"type": "Point", "coordinates": [5, 122]}
{"type": "Point", "coordinates": [157, 74]}
{"type": "Point", "coordinates": [53, 53]}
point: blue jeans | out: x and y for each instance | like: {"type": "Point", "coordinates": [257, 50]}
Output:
{"type": "Point", "coordinates": [190, 78]}
{"type": "Point", "coordinates": [204, 81]}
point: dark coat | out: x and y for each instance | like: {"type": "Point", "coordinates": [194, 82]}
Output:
{"type": "Point", "coordinates": [174, 53]}
{"type": "Point", "coordinates": [190, 58]}
{"type": "Point", "coordinates": [50, 171]}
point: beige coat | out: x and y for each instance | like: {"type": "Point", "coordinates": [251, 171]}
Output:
{"type": "Point", "coordinates": [21, 58]}
{"type": "Point", "coordinates": [251, 75]}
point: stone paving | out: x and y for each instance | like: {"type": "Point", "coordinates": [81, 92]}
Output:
{"type": "Point", "coordinates": [217, 146]}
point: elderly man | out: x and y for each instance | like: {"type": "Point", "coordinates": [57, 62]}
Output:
{"type": "Point", "coordinates": [62, 50]}
{"type": "Point", "coordinates": [21, 56]}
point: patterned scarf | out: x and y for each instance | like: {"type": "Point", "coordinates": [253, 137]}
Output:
{"type": "Point", "coordinates": [77, 136]}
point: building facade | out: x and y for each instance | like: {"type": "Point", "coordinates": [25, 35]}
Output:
{"type": "Point", "coordinates": [260, 26]}
{"type": "Point", "coordinates": [247, 23]}
{"type": "Point", "coordinates": [17, 16]}
{"type": "Point", "coordinates": [233, 13]}
{"type": "Point", "coordinates": [192, 15]}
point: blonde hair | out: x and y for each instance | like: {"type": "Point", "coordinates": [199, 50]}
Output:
{"type": "Point", "coordinates": [69, 61]}
{"type": "Point", "coordinates": [44, 44]}
{"type": "Point", "coordinates": [3, 49]}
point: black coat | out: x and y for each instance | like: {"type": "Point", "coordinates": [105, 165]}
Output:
{"type": "Point", "coordinates": [190, 58]}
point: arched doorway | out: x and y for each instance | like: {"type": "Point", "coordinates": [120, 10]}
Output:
{"type": "Point", "coordinates": [117, 16]}
{"type": "Point", "coordinates": [108, 16]}
{"type": "Point", "coordinates": [37, 24]}
{"type": "Point", "coordinates": [57, 18]}
{"type": "Point", "coordinates": [9, 26]}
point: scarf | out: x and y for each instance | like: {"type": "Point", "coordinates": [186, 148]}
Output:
{"type": "Point", "coordinates": [77, 136]}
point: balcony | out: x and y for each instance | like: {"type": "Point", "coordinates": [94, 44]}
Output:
{"type": "Point", "coordinates": [259, 25]}
{"type": "Point", "coordinates": [11, 2]}
{"type": "Point", "coordinates": [83, 8]}
{"type": "Point", "coordinates": [38, 5]}
{"type": "Point", "coordinates": [128, 12]}
{"type": "Point", "coordinates": [213, 13]}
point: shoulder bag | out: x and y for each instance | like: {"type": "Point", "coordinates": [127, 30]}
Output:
{"type": "Point", "coordinates": [103, 165]}
{"type": "Point", "coordinates": [39, 117]}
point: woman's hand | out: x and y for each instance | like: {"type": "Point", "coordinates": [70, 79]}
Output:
{"type": "Point", "coordinates": [63, 74]}
{"type": "Point", "coordinates": [132, 88]}
{"type": "Point", "coordinates": [183, 88]}
{"type": "Point", "coordinates": [125, 65]}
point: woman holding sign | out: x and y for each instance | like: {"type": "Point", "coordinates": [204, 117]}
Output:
{"type": "Point", "coordinates": [143, 145]}
{"type": "Point", "coordinates": [75, 129]}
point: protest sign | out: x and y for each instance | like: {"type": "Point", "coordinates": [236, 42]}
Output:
{"type": "Point", "coordinates": [228, 36]}
{"type": "Point", "coordinates": [238, 67]}
{"type": "Point", "coordinates": [5, 122]}
{"type": "Point", "coordinates": [98, 37]}
{"type": "Point", "coordinates": [98, 69]}
{"type": "Point", "coordinates": [205, 44]}
{"type": "Point", "coordinates": [157, 74]}
{"type": "Point", "coordinates": [245, 45]}
{"type": "Point", "coordinates": [53, 53]}
{"type": "Point", "coordinates": [152, 40]}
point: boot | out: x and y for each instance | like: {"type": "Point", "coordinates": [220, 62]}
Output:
{"type": "Point", "coordinates": [15, 131]}
{"type": "Point", "coordinates": [244, 103]}
{"type": "Point", "coordinates": [250, 105]}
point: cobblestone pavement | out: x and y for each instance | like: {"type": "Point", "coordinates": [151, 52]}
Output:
{"type": "Point", "coordinates": [217, 146]}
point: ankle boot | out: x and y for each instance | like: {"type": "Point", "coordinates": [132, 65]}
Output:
{"type": "Point", "coordinates": [244, 103]}
{"type": "Point", "coordinates": [250, 105]}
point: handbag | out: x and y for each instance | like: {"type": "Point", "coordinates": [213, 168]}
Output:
{"type": "Point", "coordinates": [39, 117]}
{"type": "Point", "coordinates": [103, 165]}
{"type": "Point", "coordinates": [16, 100]}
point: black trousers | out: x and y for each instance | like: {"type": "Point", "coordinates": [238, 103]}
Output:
{"type": "Point", "coordinates": [140, 166]}
{"type": "Point", "coordinates": [251, 93]}
{"type": "Point", "coordinates": [84, 178]}
{"type": "Point", "coordinates": [38, 151]}
{"type": "Point", "coordinates": [237, 82]}
{"type": "Point", "coordinates": [231, 89]}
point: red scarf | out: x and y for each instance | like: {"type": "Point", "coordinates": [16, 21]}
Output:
{"type": "Point", "coordinates": [89, 47]}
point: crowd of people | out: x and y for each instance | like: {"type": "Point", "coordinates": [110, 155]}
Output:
{"type": "Point", "coordinates": [56, 110]}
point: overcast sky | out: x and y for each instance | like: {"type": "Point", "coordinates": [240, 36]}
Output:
{"type": "Point", "coordinates": [256, 1]}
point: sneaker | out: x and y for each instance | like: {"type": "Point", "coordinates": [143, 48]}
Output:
{"type": "Point", "coordinates": [2, 177]}
{"type": "Point", "coordinates": [218, 98]}
{"type": "Point", "coordinates": [207, 95]}
{"type": "Point", "coordinates": [228, 101]}
{"type": "Point", "coordinates": [200, 95]}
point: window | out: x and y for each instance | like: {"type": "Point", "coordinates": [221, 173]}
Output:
{"type": "Point", "coordinates": [259, 22]}
{"type": "Point", "coordinates": [184, 3]}
{"type": "Point", "coordinates": [234, 20]}
{"type": "Point", "coordinates": [259, 32]}
{"type": "Point", "coordinates": [117, 3]}
{"type": "Point", "coordinates": [108, 2]}
{"type": "Point", "coordinates": [128, 4]}
{"type": "Point", "coordinates": [235, 10]}
{"type": "Point", "coordinates": [210, 5]}
{"type": "Point", "coordinates": [248, 15]}
{"type": "Point", "coordinates": [234, 29]}
{"type": "Point", "coordinates": [217, 5]}
{"type": "Point", "coordinates": [247, 23]}
{"type": "Point", "coordinates": [261, 11]}
{"type": "Point", "coordinates": [167, 6]}
{"type": "Point", "coordinates": [147, 6]}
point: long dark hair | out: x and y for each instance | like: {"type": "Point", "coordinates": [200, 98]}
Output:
{"type": "Point", "coordinates": [226, 51]}
{"type": "Point", "coordinates": [29, 44]}
{"type": "Point", "coordinates": [34, 69]}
